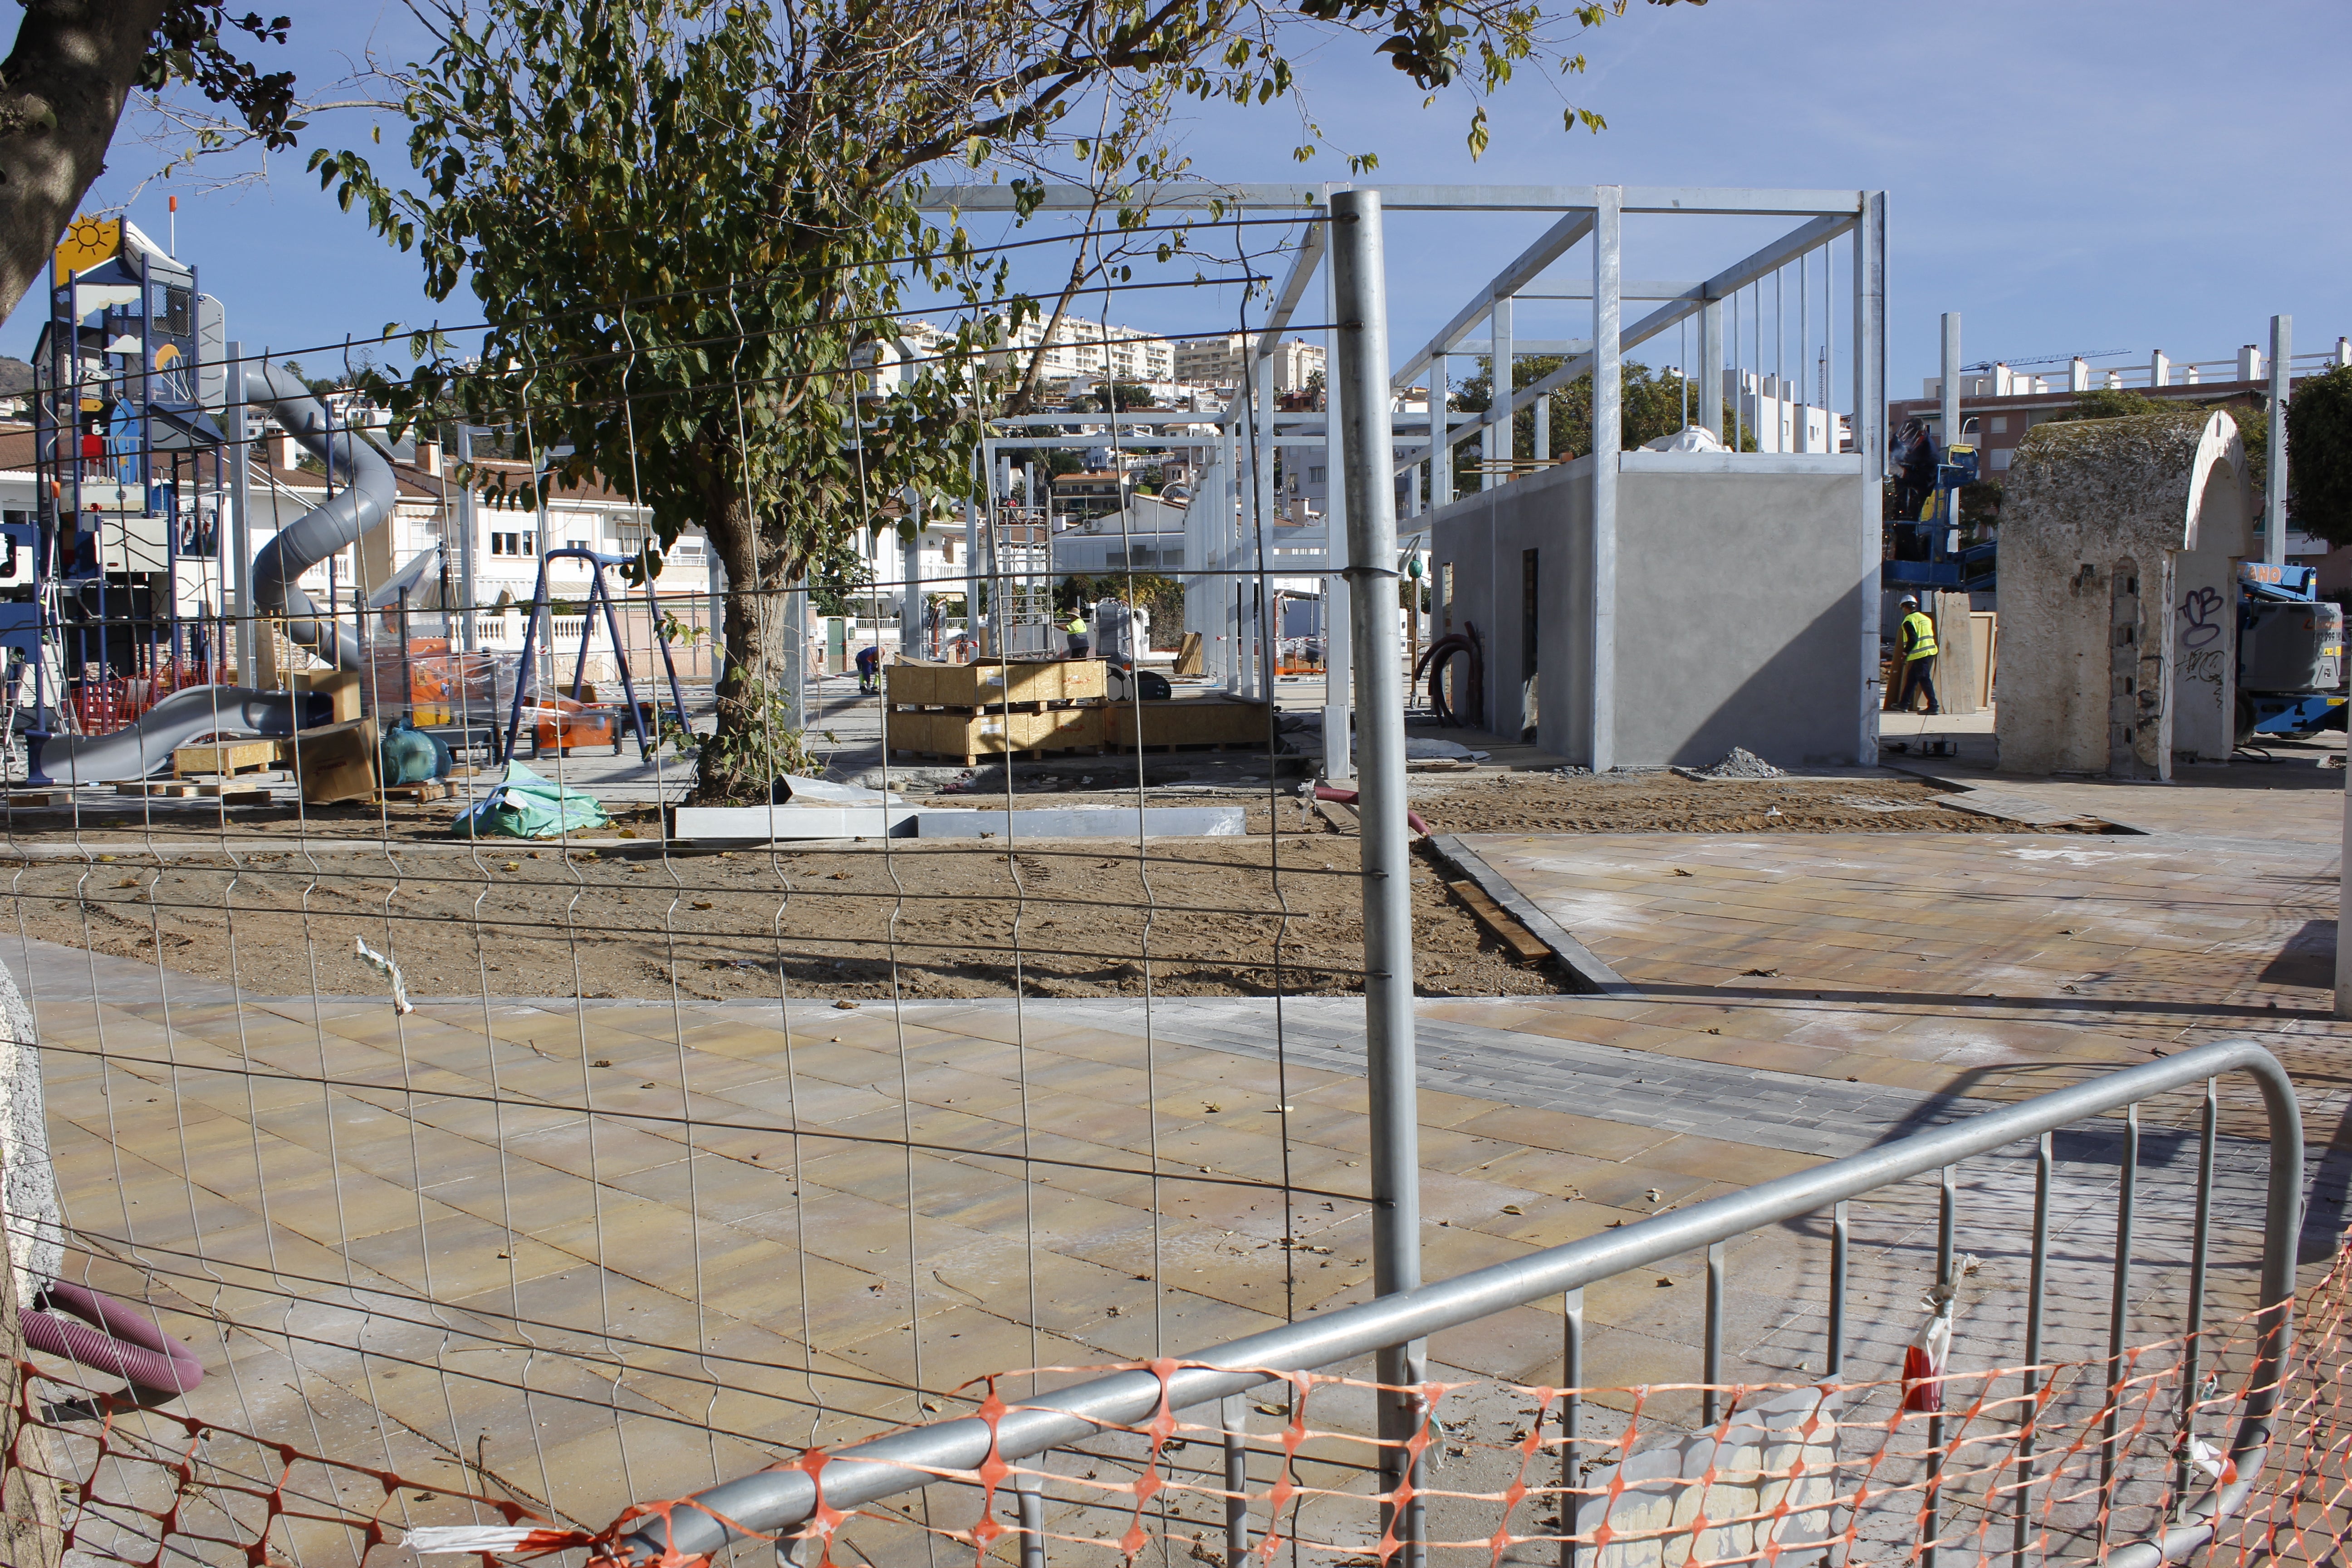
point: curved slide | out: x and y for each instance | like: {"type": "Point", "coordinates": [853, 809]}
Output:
{"type": "Point", "coordinates": [184, 716]}
{"type": "Point", "coordinates": [367, 499]}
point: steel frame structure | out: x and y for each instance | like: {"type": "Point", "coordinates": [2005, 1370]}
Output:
{"type": "Point", "coordinates": [1591, 217]}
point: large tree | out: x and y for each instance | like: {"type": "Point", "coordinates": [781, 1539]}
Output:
{"type": "Point", "coordinates": [682, 219]}
{"type": "Point", "coordinates": [62, 91]}
{"type": "Point", "coordinates": [2319, 454]}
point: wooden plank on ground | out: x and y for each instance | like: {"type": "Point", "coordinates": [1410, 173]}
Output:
{"type": "Point", "coordinates": [1498, 922]}
{"type": "Point", "coordinates": [1341, 816]}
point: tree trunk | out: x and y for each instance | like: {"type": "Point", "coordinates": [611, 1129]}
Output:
{"type": "Point", "coordinates": [762, 652]}
{"type": "Point", "coordinates": [62, 90]}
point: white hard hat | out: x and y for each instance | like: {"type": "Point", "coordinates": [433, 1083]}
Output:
{"type": "Point", "coordinates": [1910, 598]}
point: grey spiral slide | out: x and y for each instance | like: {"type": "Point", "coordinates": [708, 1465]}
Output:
{"type": "Point", "coordinates": [367, 499]}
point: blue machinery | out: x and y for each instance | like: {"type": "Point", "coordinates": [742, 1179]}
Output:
{"type": "Point", "coordinates": [2290, 653]}
{"type": "Point", "coordinates": [1928, 553]}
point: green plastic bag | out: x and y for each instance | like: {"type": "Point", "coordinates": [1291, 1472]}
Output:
{"type": "Point", "coordinates": [525, 805]}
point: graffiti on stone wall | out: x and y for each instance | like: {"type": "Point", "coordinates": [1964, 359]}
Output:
{"type": "Point", "coordinates": [2201, 622]}
{"type": "Point", "coordinates": [2201, 668]}
{"type": "Point", "coordinates": [2205, 666]}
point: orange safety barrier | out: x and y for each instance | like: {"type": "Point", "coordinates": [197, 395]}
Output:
{"type": "Point", "coordinates": [2093, 1454]}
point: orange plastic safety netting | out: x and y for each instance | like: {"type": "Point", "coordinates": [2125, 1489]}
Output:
{"type": "Point", "coordinates": [2079, 1459]}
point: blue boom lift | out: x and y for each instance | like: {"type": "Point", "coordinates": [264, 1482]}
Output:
{"type": "Point", "coordinates": [1928, 553]}
{"type": "Point", "coordinates": [2290, 653]}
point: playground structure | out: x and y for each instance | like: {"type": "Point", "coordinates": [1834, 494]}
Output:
{"type": "Point", "coordinates": [573, 719]}
{"type": "Point", "coordinates": [137, 620]}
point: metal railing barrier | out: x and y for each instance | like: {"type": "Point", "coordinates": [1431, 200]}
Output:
{"type": "Point", "coordinates": [780, 1501]}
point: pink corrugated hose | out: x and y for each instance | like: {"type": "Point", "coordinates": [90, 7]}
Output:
{"type": "Point", "coordinates": [121, 1341]}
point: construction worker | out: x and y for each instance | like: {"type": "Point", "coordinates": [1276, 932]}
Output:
{"type": "Point", "coordinates": [1916, 647]}
{"type": "Point", "coordinates": [1915, 470]}
{"type": "Point", "coordinates": [870, 671]}
{"type": "Point", "coordinates": [1077, 630]}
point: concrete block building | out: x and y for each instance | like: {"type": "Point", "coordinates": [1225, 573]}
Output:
{"type": "Point", "coordinates": [1741, 597]}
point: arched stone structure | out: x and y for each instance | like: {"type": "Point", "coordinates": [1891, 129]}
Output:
{"type": "Point", "coordinates": [2119, 545]}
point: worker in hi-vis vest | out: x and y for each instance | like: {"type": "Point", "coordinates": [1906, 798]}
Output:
{"type": "Point", "coordinates": [1916, 647]}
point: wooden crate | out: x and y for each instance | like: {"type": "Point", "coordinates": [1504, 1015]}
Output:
{"type": "Point", "coordinates": [1207, 721]}
{"type": "Point", "coordinates": [967, 737]}
{"type": "Point", "coordinates": [226, 758]}
{"type": "Point", "coordinates": [919, 683]}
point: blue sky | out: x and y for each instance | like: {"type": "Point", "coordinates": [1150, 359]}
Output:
{"type": "Point", "coordinates": [2072, 175]}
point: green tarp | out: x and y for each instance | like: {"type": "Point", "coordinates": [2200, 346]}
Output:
{"type": "Point", "coordinates": [525, 805]}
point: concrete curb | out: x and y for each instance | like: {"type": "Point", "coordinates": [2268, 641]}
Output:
{"type": "Point", "coordinates": [1591, 976]}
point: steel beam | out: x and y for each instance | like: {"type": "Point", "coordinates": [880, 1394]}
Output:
{"type": "Point", "coordinates": [1870, 441]}
{"type": "Point", "coordinates": [1251, 196]}
{"type": "Point", "coordinates": [1554, 243]}
{"type": "Point", "coordinates": [1607, 436]}
{"type": "Point", "coordinates": [1762, 263]}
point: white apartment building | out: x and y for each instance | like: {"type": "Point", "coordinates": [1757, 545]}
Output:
{"type": "Point", "coordinates": [1090, 351]}
{"type": "Point", "coordinates": [1217, 361]}
{"type": "Point", "coordinates": [1772, 410]}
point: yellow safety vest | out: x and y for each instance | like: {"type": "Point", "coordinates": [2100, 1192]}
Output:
{"type": "Point", "coordinates": [1922, 632]}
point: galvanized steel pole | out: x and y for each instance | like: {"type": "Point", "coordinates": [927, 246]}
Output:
{"type": "Point", "coordinates": [240, 524]}
{"type": "Point", "coordinates": [1951, 388]}
{"type": "Point", "coordinates": [470, 541]}
{"type": "Point", "coordinates": [1359, 274]}
{"type": "Point", "coordinates": [2274, 474]}
{"type": "Point", "coordinates": [2344, 909]}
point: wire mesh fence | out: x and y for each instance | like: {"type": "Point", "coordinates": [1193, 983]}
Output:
{"type": "Point", "coordinates": [495, 1175]}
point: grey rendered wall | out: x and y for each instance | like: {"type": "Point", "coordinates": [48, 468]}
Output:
{"type": "Point", "coordinates": [1739, 610]}
{"type": "Point", "coordinates": [1739, 606]}
{"type": "Point", "coordinates": [1484, 538]}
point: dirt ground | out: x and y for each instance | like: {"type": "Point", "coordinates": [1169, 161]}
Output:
{"type": "Point", "coordinates": [1669, 803]}
{"type": "Point", "coordinates": [1248, 916]}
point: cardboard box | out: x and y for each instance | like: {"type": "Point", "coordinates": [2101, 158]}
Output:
{"type": "Point", "coordinates": [336, 763]}
{"type": "Point", "coordinates": [343, 684]}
